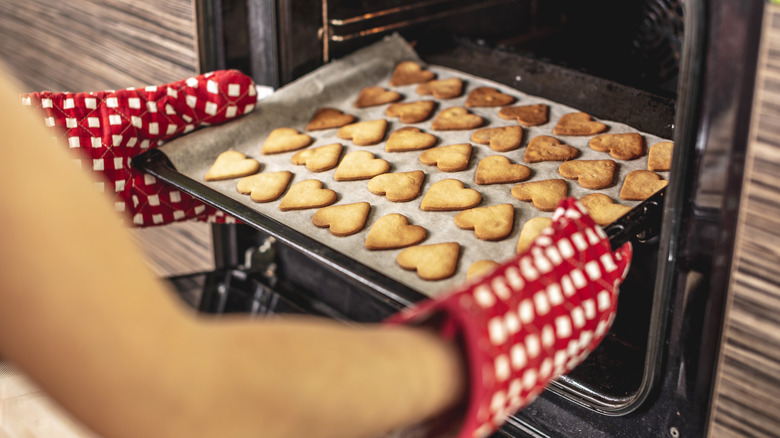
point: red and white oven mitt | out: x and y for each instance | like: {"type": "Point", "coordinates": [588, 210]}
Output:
{"type": "Point", "coordinates": [108, 128]}
{"type": "Point", "coordinates": [534, 318]}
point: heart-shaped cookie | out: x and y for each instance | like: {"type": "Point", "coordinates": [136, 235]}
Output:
{"type": "Point", "coordinates": [545, 194]}
{"type": "Point", "coordinates": [409, 139]}
{"type": "Point", "coordinates": [641, 184]}
{"type": "Point", "coordinates": [411, 112]}
{"type": "Point", "coordinates": [285, 140]}
{"type": "Point", "coordinates": [450, 158]}
{"type": "Point", "coordinates": [502, 139]}
{"type": "Point", "coordinates": [397, 187]}
{"type": "Point", "coordinates": [526, 115]}
{"type": "Point", "coordinates": [327, 118]}
{"type": "Point", "coordinates": [456, 118]}
{"type": "Point", "coordinates": [319, 159]}
{"type": "Point", "coordinates": [530, 231]}
{"type": "Point", "coordinates": [578, 124]}
{"type": "Point", "coordinates": [410, 72]}
{"type": "Point", "coordinates": [364, 133]}
{"type": "Point", "coordinates": [231, 164]}
{"type": "Point", "coordinates": [433, 262]}
{"type": "Point", "coordinates": [660, 156]}
{"type": "Point", "coordinates": [591, 174]}
{"type": "Point", "coordinates": [393, 231]}
{"type": "Point", "coordinates": [342, 220]}
{"type": "Point", "coordinates": [307, 194]}
{"type": "Point", "coordinates": [546, 148]}
{"type": "Point", "coordinates": [449, 195]}
{"type": "Point", "coordinates": [373, 96]}
{"type": "Point", "coordinates": [489, 223]}
{"type": "Point", "coordinates": [487, 97]}
{"type": "Point", "coordinates": [358, 165]}
{"type": "Point", "coordinates": [498, 169]}
{"type": "Point", "coordinates": [264, 187]}
{"type": "Point", "coordinates": [603, 209]}
{"type": "Point", "coordinates": [627, 146]}
{"type": "Point", "coordinates": [480, 268]}
{"type": "Point", "coordinates": [443, 88]}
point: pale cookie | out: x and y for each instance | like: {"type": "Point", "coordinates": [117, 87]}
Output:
{"type": "Point", "coordinates": [487, 97]}
{"type": "Point", "coordinates": [621, 146]}
{"type": "Point", "coordinates": [410, 72]}
{"type": "Point", "coordinates": [409, 139]}
{"type": "Point", "coordinates": [264, 187]}
{"type": "Point", "coordinates": [432, 262]}
{"type": "Point", "coordinates": [449, 195]}
{"type": "Point", "coordinates": [319, 159]}
{"type": "Point", "coordinates": [578, 124]}
{"type": "Point", "coordinates": [489, 223]}
{"type": "Point", "coordinates": [502, 139]}
{"type": "Point", "coordinates": [450, 158]}
{"type": "Point", "coordinates": [546, 148]}
{"type": "Point", "coordinates": [526, 115]}
{"type": "Point", "coordinates": [603, 209]}
{"type": "Point", "coordinates": [443, 88]}
{"type": "Point", "coordinates": [342, 220]}
{"type": "Point", "coordinates": [660, 156]}
{"type": "Point", "coordinates": [365, 133]}
{"type": "Point", "coordinates": [591, 174]}
{"type": "Point", "coordinates": [327, 118]}
{"type": "Point", "coordinates": [456, 118]}
{"type": "Point", "coordinates": [393, 231]}
{"type": "Point", "coordinates": [641, 184]}
{"type": "Point", "coordinates": [359, 165]}
{"type": "Point", "coordinates": [530, 231]}
{"type": "Point", "coordinates": [285, 140]}
{"type": "Point", "coordinates": [545, 195]}
{"type": "Point", "coordinates": [397, 187]}
{"type": "Point", "coordinates": [307, 194]}
{"type": "Point", "coordinates": [481, 268]}
{"type": "Point", "coordinates": [373, 96]}
{"type": "Point", "coordinates": [231, 164]}
{"type": "Point", "coordinates": [498, 169]}
{"type": "Point", "coordinates": [411, 112]}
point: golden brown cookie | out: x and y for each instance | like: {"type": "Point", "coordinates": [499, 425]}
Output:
{"type": "Point", "coordinates": [660, 156]}
{"type": "Point", "coordinates": [498, 169]}
{"type": "Point", "coordinates": [397, 187]}
{"type": "Point", "coordinates": [526, 115]}
{"type": "Point", "coordinates": [603, 209]}
{"type": "Point", "coordinates": [481, 268]}
{"type": "Point", "coordinates": [530, 231]}
{"type": "Point", "coordinates": [621, 146]}
{"type": "Point", "coordinates": [545, 194]}
{"type": "Point", "coordinates": [393, 231]}
{"type": "Point", "coordinates": [432, 262]}
{"type": "Point", "coordinates": [373, 96]}
{"type": "Point", "coordinates": [410, 72]}
{"type": "Point", "coordinates": [591, 174]}
{"type": "Point", "coordinates": [450, 158]}
{"type": "Point", "coordinates": [443, 88]}
{"type": "Point", "coordinates": [489, 223]}
{"type": "Point", "coordinates": [319, 159]}
{"type": "Point", "coordinates": [578, 124]}
{"type": "Point", "coordinates": [449, 195]}
{"type": "Point", "coordinates": [409, 138]}
{"type": "Point", "coordinates": [411, 112]}
{"type": "Point", "coordinates": [546, 148]}
{"type": "Point", "coordinates": [365, 133]}
{"type": "Point", "coordinates": [231, 164]}
{"type": "Point", "coordinates": [264, 187]}
{"type": "Point", "coordinates": [487, 97]}
{"type": "Point", "coordinates": [342, 220]}
{"type": "Point", "coordinates": [327, 118]}
{"type": "Point", "coordinates": [359, 165]}
{"type": "Point", "coordinates": [285, 140]}
{"type": "Point", "coordinates": [307, 194]}
{"type": "Point", "coordinates": [641, 184]}
{"type": "Point", "coordinates": [456, 118]}
{"type": "Point", "coordinates": [502, 139]}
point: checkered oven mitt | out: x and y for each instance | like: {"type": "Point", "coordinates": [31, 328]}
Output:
{"type": "Point", "coordinates": [108, 128]}
{"type": "Point", "coordinates": [533, 318]}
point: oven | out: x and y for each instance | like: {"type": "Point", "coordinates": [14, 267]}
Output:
{"type": "Point", "coordinates": [682, 70]}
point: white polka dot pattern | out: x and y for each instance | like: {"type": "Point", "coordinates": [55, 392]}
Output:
{"type": "Point", "coordinates": [534, 318]}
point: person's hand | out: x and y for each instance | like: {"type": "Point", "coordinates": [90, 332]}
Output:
{"type": "Point", "coordinates": [107, 129]}
{"type": "Point", "coordinates": [532, 319]}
